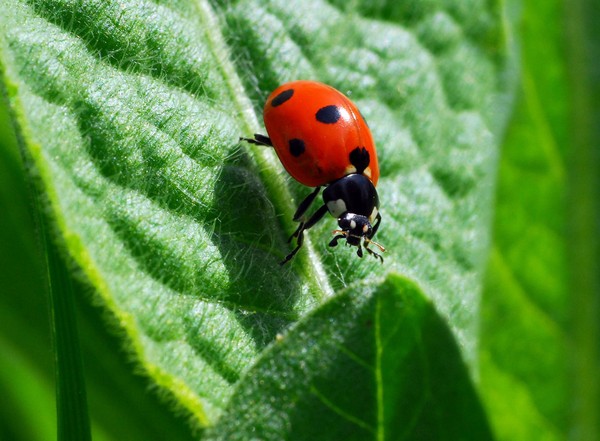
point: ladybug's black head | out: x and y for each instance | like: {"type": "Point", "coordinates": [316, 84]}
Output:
{"type": "Point", "coordinates": [355, 227]}
{"type": "Point", "coordinates": [357, 230]}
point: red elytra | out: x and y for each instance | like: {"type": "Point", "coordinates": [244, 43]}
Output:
{"type": "Point", "coordinates": [314, 128]}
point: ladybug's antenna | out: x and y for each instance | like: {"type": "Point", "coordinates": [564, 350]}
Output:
{"type": "Point", "coordinates": [378, 245]}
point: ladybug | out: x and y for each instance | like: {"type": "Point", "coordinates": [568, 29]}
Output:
{"type": "Point", "coordinates": [322, 140]}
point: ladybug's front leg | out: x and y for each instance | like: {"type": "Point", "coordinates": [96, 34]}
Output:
{"type": "Point", "coordinates": [375, 226]}
{"type": "Point", "coordinates": [334, 241]}
{"type": "Point", "coordinates": [372, 253]}
{"type": "Point", "coordinates": [316, 217]}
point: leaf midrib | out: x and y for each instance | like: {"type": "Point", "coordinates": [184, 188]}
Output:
{"type": "Point", "coordinates": [314, 272]}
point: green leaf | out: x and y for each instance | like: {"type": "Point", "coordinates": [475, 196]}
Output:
{"type": "Point", "coordinates": [366, 365]}
{"type": "Point", "coordinates": [71, 397]}
{"type": "Point", "coordinates": [129, 113]}
{"type": "Point", "coordinates": [27, 397]}
{"type": "Point", "coordinates": [28, 407]}
{"type": "Point", "coordinates": [584, 212]}
{"type": "Point", "coordinates": [540, 315]}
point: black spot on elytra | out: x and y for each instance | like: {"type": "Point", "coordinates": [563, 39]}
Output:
{"type": "Point", "coordinates": [360, 159]}
{"type": "Point", "coordinates": [296, 147]}
{"type": "Point", "coordinates": [328, 114]}
{"type": "Point", "coordinates": [282, 97]}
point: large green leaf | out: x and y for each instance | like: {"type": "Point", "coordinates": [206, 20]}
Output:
{"type": "Point", "coordinates": [128, 115]}
{"type": "Point", "coordinates": [366, 365]}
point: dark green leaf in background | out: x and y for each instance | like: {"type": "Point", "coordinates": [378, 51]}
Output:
{"type": "Point", "coordinates": [525, 308]}
{"type": "Point", "coordinates": [366, 365]}
{"type": "Point", "coordinates": [583, 207]}
{"type": "Point", "coordinates": [541, 307]}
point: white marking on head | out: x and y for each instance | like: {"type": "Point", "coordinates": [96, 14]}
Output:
{"type": "Point", "coordinates": [337, 207]}
{"type": "Point", "coordinates": [352, 224]}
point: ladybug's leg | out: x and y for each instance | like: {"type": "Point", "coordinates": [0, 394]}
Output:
{"type": "Point", "coordinates": [299, 215]}
{"type": "Point", "coordinates": [259, 140]}
{"type": "Point", "coordinates": [372, 253]}
{"type": "Point", "coordinates": [308, 200]}
{"type": "Point", "coordinates": [375, 226]}
{"type": "Point", "coordinates": [359, 252]}
{"type": "Point", "coordinates": [334, 241]}
{"type": "Point", "coordinates": [297, 232]}
{"type": "Point", "coordinates": [316, 217]}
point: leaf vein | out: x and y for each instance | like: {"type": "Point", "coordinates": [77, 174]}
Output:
{"type": "Point", "coordinates": [328, 403]}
